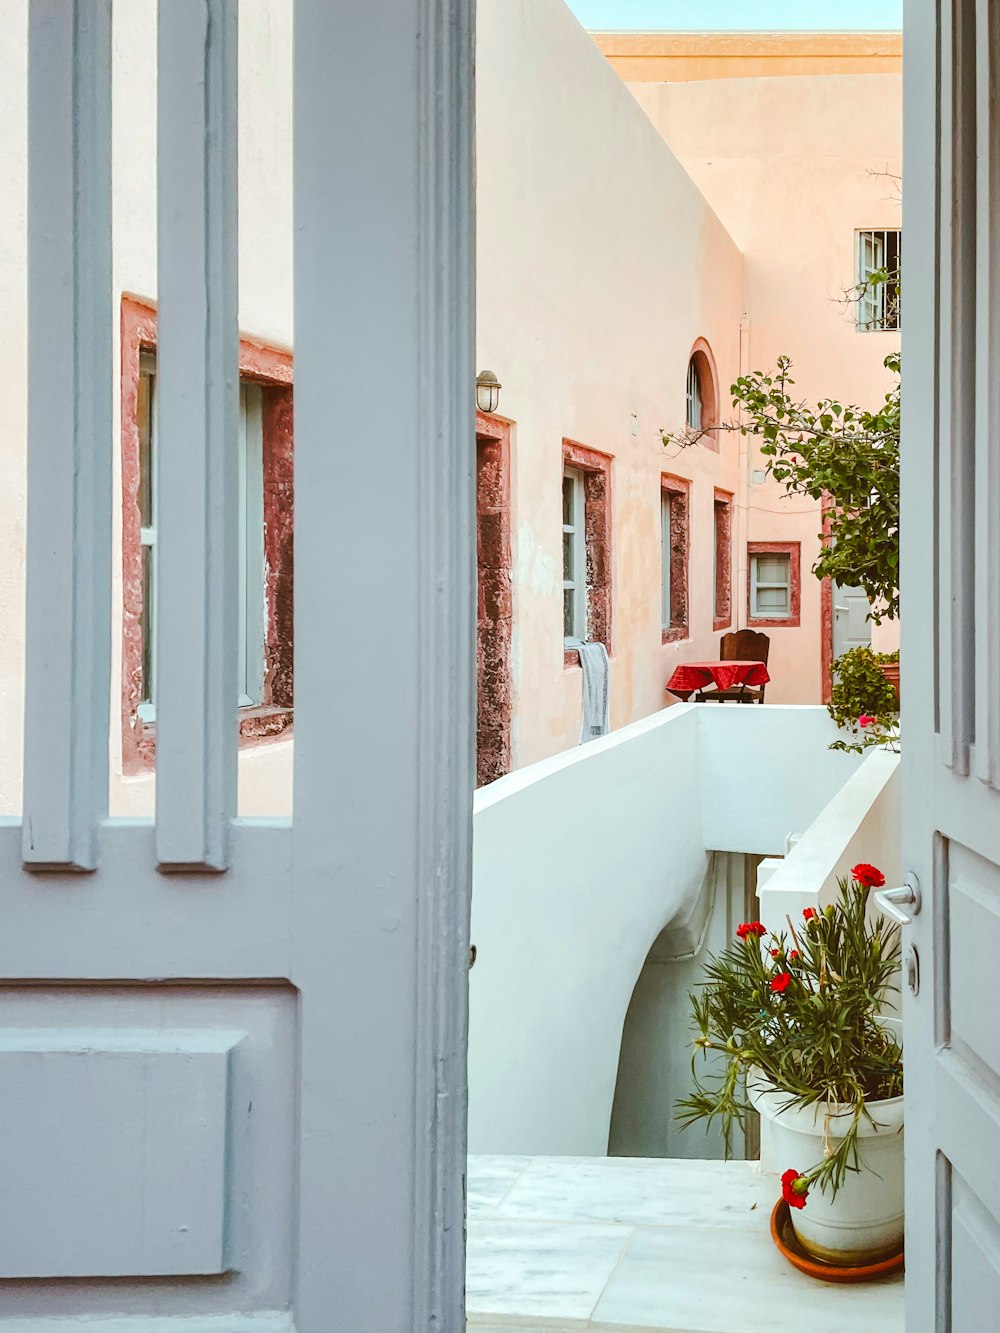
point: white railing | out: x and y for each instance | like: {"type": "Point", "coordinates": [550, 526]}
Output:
{"type": "Point", "coordinates": [579, 863]}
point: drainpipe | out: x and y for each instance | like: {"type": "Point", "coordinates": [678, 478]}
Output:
{"type": "Point", "coordinates": [743, 495]}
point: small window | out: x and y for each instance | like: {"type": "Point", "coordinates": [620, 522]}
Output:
{"type": "Point", "coordinates": [674, 492]}
{"type": "Point", "coordinates": [251, 539]}
{"type": "Point", "coordinates": [574, 557]}
{"type": "Point", "coordinates": [722, 562]}
{"type": "Point", "coordinates": [771, 586]}
{"type": "Point", "coordinates": [693, 397]}
{"type": "Point", "coordinates": [878, 266]}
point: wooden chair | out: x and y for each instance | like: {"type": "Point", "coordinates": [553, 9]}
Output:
{"type": "Point", "coordinates": [744, 645]}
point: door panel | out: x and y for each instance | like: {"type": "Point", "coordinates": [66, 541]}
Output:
{"type": "Point", "coordinates": [851, 626]}
{"type": "Point", "coordinates": [232, 1052]}
{"type": "Point", "coordinates": [950, 619]}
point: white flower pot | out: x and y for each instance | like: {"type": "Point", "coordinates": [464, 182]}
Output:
{"type": "Point", "coordinates": [864, 1222]}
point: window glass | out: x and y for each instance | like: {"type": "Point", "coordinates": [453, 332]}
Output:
{"type": "Point", "coordinates": [879, 254]}
{"type": "Point", "coordinates": [693, 396]}
{"type": "Point", "coordinates": [574, 557]}
{"type": "Point", "coordinates": [666, 539]}
{"type": "Point", "coordinates": [771, 586]}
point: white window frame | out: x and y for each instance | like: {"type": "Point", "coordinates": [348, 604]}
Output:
{"type": "Point", "coordinates": [692, 397]}
{"type": "Point", "coordinates": [757, 585]}
{"type": "Point", "coordinates": [251, 594]}
{"type": "Point", "coordinates": [147, 542]}
{"type": "Point", "coordinates": [872, 247]}
{"type": "Point", "coordinates": [666, 557]}
{"type": "Point", "coordinates": [251, 549]}
{"type": "Point", "coordinates": [574, 532]}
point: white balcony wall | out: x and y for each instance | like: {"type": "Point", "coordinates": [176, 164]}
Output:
{"type": "Point", "coordinates": [579, 863]}
{"type": "Point", "coordinates": [860, 823]}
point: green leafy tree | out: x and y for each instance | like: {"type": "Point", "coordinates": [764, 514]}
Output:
{"type": "Point", "coordinates": [843, 456]}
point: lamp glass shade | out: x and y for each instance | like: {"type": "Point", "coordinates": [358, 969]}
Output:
{"type": "Point", "coordinates": [487, 391]}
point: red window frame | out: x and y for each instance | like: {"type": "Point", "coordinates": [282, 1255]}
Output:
{"type": "Point", "coordinates": [678, 489]}
{"type": "Point", "coordinates": [722, 593]}
{"type": "Point", "coordinates": [794, 551]}
{"type": "Point", "coordinates": [703, 357]}
{"type": "Point", "coordinates": [271, 367]}
{"type": "Point", "coordinates": [596, 470]}
{"type": "Point", "coordinates": [495, 619]}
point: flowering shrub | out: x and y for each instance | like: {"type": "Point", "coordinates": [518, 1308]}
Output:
{"type": "Point", "coordinates": [863, 703]}
{"type": "Point", "coordinates": [802, 1007]}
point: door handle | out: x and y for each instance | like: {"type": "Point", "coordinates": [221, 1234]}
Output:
{"type": "Point", "coordinates": [840, 608]}
{"type": "Point", "coordinates": [892, 901]}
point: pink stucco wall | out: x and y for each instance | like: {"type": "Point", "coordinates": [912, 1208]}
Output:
{"type": "Point", "coordinates": [794, 166]}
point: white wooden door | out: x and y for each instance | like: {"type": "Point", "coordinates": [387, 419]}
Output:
{"type": "Point", "coordinates": [232, 1053]}
{"type": "Point", "coordinates": [851, 626]}
{"type": "Point", "coordinates": [951, 662]}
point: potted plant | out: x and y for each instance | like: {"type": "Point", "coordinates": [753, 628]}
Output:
{"type": "Point", "coordinates": [795, 1022]}
{"type": "Point", "coordinates": [864, 700]}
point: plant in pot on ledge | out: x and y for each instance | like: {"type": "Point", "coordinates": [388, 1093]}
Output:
{"type": "Point", "coordinates": [864, 701]}
{"type": "Point", "coordinates": [796, 1020]}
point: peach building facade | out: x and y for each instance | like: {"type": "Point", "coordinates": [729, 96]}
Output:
{"type": "Point", "coordinates": [622, 230]}
{"type": "Point", "coordinates": [605, 258]}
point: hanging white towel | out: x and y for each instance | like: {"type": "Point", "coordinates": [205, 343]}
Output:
{"type": "Point", "coordinates": [596, 690]}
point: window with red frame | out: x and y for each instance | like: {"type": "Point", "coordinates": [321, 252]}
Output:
{"type": "Point", "coordinates": [674, 549]}
{"type": "Point", "coordinates": [774, 584]}
{"type": "Point", "coordinates": [265, 593]}
{"type": "Point", "coordinates": [723, 558]}
{"type": "Point", "coordinates": [586, 548]}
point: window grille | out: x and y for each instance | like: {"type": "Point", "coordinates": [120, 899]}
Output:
{"type": "Point", "coordinates": [879, 254]}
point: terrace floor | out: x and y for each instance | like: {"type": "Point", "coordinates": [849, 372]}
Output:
{"type": "Point", "coordinates": [643, 1245]}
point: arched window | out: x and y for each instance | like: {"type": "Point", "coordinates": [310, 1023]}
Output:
{"type": "Point", "coordinates": [702, 395]}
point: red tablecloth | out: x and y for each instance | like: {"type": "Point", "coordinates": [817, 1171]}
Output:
{"type": "Point", "coordinates": [692, 676]}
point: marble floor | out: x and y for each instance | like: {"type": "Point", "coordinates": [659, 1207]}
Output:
{"type": "Point", "coordinates": [644, 1246]}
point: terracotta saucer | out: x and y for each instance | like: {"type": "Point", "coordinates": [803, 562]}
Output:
{"type": "Point", "coordinates": [785, 1239]}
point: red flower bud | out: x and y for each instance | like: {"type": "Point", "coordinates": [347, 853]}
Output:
{"type": "Point", "coordinates": [794, 956]}
{"type": "Point", "coordinates": [809, 913]}
{"type": "Point", "coordinates": [781, 982]}
{"type": "Point", "coordinates": [794, 1189]}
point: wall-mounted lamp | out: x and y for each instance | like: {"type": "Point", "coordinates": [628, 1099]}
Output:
{"type": "Point", "coordinates": [487, 391]}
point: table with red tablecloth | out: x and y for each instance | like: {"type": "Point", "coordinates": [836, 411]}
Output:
{"type": "Point", "coordinates": [690, 677]}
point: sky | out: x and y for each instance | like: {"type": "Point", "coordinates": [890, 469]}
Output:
{"type": "Point", "coordinates": [702, 15]}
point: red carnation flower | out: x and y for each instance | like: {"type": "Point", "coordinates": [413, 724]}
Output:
{"type": "Point", "coordinates": [866, 720]}
{"type": "Point", "coordinates": [751, 928]}
{"type": "Point", "coordinates": [780, 982]}
{"type": "Point", "coordinates": [869, 877]}
{"type": "Point", "coordinates": [809, 913]}
{"type": "Point", "coordinates": [794, 1189]}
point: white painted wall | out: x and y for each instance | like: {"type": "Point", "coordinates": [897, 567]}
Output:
{"type": "Point", "coordinates": [860, 823]}
{"type": "Point", "coordinates": [579, 862]}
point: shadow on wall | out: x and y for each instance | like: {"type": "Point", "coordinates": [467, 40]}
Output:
{"type": "Point", "coordinates": [654, 1067]}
